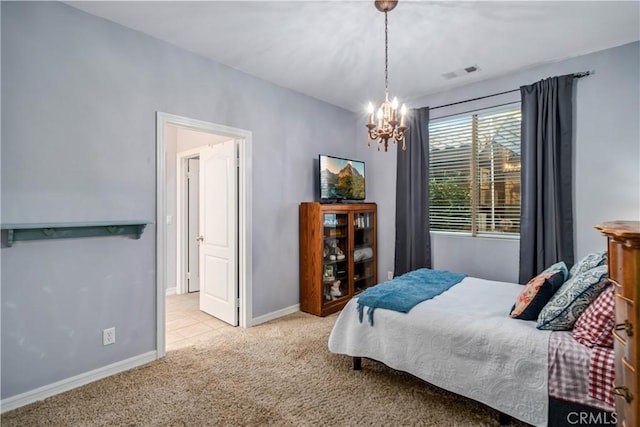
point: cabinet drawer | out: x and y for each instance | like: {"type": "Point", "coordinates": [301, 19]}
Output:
{"type": "Point", "coordinates": [623, 309]}
{"type": "Point", "coordinates": [620, 347]}
{"type": "Point", "coordinates": [624, 267]}
{"type": "Point", "coordinates": [626, 329]}
{"type": "Point", "coordinates": [625, 392]}
{"type": "Point", "coordinates": [614, 261]}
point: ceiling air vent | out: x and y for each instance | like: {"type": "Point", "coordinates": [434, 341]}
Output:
{"type": "Point", "coordinates": [461, 72]}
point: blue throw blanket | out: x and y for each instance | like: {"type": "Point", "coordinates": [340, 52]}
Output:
{"type": "Point", "coordinates": [406, 291]}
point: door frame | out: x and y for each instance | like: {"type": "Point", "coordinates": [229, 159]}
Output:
{"type": "Point", "coordinates": [244, 142]}
{"type": "Point", "coordinates": [181, 217]}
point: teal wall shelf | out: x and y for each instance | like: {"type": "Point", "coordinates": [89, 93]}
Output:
{"type": "Point", "coordinates": [18, 232]}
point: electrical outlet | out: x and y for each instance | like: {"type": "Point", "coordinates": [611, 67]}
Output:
{"type": "Point", "coordinates": [109, 336]}
{"type": "Point", "coordinates": [390, 275]}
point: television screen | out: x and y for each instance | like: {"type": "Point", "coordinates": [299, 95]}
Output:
{"type": "Point", "coordinates": [341, 179]}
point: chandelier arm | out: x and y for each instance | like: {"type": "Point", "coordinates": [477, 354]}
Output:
{"type": "Point", "coordinates": [398, 137]}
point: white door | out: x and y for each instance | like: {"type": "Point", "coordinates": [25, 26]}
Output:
{"type": "Point", "coordinates": [218, 232]}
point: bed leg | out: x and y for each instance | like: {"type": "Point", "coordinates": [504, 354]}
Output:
{"type": "Point", "coordinates": [504, 419]}
{"type": "Point", "coordinates": [357, 363]}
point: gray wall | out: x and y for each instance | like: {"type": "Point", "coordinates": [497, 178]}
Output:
{"type": "Point", "coordinates": [79, 98]}
{"type": "Point", "coordinates": [606, 159]}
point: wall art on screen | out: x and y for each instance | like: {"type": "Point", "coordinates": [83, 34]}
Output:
{"type": "Point", "coordinates": [341, 179]}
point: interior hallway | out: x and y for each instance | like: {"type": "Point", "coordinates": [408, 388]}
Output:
{"type": "Point", "coordinates": [187, 325]}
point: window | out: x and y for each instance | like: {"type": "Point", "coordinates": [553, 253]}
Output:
{"type": "Point", "coordinates": [474, 171]}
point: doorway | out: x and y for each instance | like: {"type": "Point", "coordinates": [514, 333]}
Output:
{"type": "Point", "coordinates": [231, 150]}
{"type": "Point", "coordinates": [206, 212]}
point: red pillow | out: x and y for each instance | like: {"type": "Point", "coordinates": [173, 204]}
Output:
{"type": "Point", "coordinates": [595, 325]}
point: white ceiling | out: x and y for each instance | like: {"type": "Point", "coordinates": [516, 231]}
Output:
{"type": "Point", "coordinates": [334, 50]}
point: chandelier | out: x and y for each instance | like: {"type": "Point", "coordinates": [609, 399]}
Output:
{"type": "Point", "coordinates": [388, 126]}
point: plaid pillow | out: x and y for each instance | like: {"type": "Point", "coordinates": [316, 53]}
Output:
{"type": "Point", "coordinates": [595, 325]}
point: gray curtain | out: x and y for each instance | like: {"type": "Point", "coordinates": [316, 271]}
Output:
{"type": "Point", "coordinates": [546, 217]}
{"type": "Point", "coordinates": [413, 244]}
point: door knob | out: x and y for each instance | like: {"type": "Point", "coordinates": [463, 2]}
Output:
{"type": "Point", "coordinates": [200, 238]}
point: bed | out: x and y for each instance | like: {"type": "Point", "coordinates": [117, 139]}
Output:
{"type": "Point", "coordinates": [462, 340]}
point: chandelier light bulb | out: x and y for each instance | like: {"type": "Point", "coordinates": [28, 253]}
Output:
{"type": "Point", "coordinates": [370, 112]}
{"type": "Point", "coordinates": [394, 103]}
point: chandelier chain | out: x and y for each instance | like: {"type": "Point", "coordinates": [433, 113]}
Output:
{"type": "Point", "coordinates": [386, 56]}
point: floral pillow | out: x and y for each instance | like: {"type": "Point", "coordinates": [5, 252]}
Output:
{"type": "Point", "coordinates": [589, 262]}
{"type": "Point", "coordinates": [559, 266]}
{"type": "Point", "coordinates": [594, 327]}
{"type": "Point", "coordinates": [536, 294]}
{"type": "Point", "coordinates": [564, 308]}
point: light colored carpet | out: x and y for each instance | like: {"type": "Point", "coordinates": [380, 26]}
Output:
{"type": "Point", "coordinates": [279, 373]}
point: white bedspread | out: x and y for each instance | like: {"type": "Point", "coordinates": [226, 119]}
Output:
{"type": "Point", "coordinates": [463, 341]}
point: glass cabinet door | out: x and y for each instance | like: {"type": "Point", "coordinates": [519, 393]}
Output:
{"type": "Point", "coordinates": [363, 251]}
{"type": "Point", "coordinates": [335, 282]}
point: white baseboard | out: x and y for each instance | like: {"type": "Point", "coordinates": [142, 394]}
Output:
{"type": "Point", "coordinates": [67, 384]}
{"type": "Point", "coordinates": [171, 291]}
{"type": "Point", "coordinates": [275, 314]}
{"type": "Point", "coordinates": [58, 387]}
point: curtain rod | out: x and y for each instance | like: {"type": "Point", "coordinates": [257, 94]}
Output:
{"type": "Point", "coordinates": [575, 76]}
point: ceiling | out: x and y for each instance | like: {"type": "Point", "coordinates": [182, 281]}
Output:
{"type": "Point", "coordinates": [334, 50]}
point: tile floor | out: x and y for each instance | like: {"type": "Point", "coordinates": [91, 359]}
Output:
{"type": "Point", "coordinates": [187, 325]}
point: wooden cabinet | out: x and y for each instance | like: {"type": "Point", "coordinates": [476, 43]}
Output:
{"type": "Point", "coordinates": [624, 271]}
{"type": "Point", "coordinates": [338, 254]}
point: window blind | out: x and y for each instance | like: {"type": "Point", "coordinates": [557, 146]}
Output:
{"type": "Point", "coordinates": [474, 171]}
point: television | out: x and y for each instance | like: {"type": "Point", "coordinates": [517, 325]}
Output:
{"type": "Point", "coordinates": [341, 179]}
